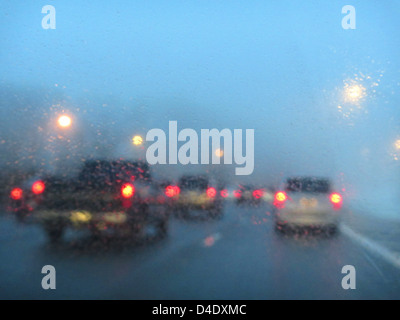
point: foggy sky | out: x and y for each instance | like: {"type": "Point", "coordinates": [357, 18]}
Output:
{"type": "Point", "coordinates": [125, 67]}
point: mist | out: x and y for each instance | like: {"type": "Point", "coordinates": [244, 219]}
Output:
{"type": "Point", "coordinates": [122, 68]}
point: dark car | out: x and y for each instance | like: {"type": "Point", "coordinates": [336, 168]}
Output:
{"type": "Point", "coordinates": [108, 197]}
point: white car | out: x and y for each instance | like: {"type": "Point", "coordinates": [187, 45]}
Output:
{"type": "Point", "coordinates": [307, 202]}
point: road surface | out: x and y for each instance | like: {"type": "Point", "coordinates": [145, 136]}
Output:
{"type": "Point", "coordinates": [240, 256]}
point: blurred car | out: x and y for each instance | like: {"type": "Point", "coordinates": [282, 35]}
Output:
{"type": "Point", "coordinates": [248, 194]}
{"type": "Point", "coordinates": [307, 202]}
{"type": "Point", "coordinates": [227, 193]}
{"type": "Point", "coordinates": [198, 193]}
{"type": "Point", "coordinates": [107, 198]}
{"type": "Point", "coordinates": [25, 198]}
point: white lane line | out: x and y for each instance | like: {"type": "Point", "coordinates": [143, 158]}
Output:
{"type": "Point", "coordinates": [374, 265]}
{"type": "Point", "coordinates": [377, 249]}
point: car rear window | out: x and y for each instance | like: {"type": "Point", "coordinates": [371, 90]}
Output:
{"type": "Point", "coordinates": [111, 172]}
{"type": "Point", "coordinates": [308, 185]}
{"type": "Point", "coordinates": [193, 183]}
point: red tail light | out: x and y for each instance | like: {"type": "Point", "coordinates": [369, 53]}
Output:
{"type": "Point", "coordinates": [38, 187]}
{"type": "Point", "coordinates": [280, 198]}
{"type": "Point", "coordinates": [237, 194]}
{"type": "Point", "coordinates": [257, 194]}
{"type": "Point", "coordinates": [336, 200]}
{"type": "Point", "coordinates": [16, 194]}
{"type": "Point", "coordinates": [224, 193]}
{"type": "Point", "coordinates": [172, 191]}
{"type": "Point", "coordinates": [127, 190]}
{"type": "Point", "coordinates": [211, 192]}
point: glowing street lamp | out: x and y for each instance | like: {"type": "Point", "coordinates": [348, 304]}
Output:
{"type": "Point", "coordinates": [219, 153]}
{"type": "Point", "coordinates": [397, 144]}
{"type": "Point", "coordinates": [137, 140]}
{"type": "Point", "coordinates": [354, 92]}
{"type": "Point", "coordinates": [64, 121]}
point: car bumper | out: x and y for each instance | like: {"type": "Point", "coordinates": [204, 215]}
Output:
{"type": "Point", "coordinates": [196, 202]}
{"type": "Point", "coordinates": [311, 218]}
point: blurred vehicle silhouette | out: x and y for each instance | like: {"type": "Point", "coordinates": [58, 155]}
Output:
{"type": "Point", "coordinates": [25, 198]}
{"type": "Point", "coordinates": [115, 198]}
{"type": "Point", "coordinates": [198, 193]}
{"type": "Point", "coordinates": [253, 195]}
{"type": "Point", "coordinates": [307, 202]}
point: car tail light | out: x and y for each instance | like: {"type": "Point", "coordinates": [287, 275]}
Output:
{"type": "Point", "coordinates": [280, 198]}
{"type": "Point", "coordinates": [211, 192]}
{"type": "Point", "coordinates": [16, 194]}
{"type": "Point", "coordinates": [38, 187]}
{"type": "Point", "coordinates": [172, 191]}
{"type": "Point", "coordinates": [224, 193]}
{"type": "Point", "coordinates": [237, 194]}
{"type": "Point", "coordinates": [257, 194]}
{"type": "Point", "coordinates": [127, 190]}
{"type": "Point", "coordinates": [336, 200]}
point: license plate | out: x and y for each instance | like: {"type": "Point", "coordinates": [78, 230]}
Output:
{"type": "Point", "coordinates": [115, 217]}
{"type": "Point", "coordinates": [80, 216]}
{"type": "Point", "coordinates": [308, 203]}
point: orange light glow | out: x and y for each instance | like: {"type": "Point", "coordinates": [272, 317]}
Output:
{"type": "Point", "coordinates": [64, 121]}
{"type": "Point", "coordinates": [137, 140]}
{"type": "Point", "coordinates": [280, 196]}
{"type": "Point", "coordinates": [336, 198]}
{"type": "Point", "coordinates": [219, 153]}
{"type": "Point", "coordinates": [127, 190]}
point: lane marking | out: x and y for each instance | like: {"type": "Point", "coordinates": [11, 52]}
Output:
{"type": "Point", "coordinates": [374, 265]}
{"type": "Point", "coordinates": [390, 256]}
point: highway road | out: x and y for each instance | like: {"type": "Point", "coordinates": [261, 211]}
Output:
{"type": "Point", "coordinates": [240, 256]}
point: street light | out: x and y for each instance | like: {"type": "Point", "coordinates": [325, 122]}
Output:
{"type": "Point", "coordinates": [354, 92]}
{"type": "Point", "coordinates": [397, 144]}
{"type": "Point", "coordinates": [64, 121]}
{"type": "Point", "coordinates": [137, 140]}
{"type": "Point", "coordinates": [219, 153]}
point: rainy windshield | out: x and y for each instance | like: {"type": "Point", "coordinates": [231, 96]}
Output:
{"type": "Point", "coordinates": [103, 172]}
{"type": "Point", "coordinates": [199, 150]}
